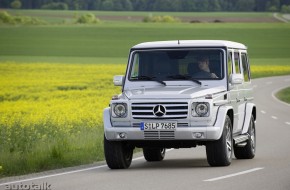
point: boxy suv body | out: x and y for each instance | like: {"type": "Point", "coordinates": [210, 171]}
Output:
{"type": "Point", "coordinates": [181, 94]}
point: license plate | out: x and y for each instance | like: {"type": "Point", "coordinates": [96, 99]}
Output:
{"type": "Point", "coordinates": [158, 126]}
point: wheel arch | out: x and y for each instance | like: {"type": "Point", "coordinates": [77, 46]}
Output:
{"type": "Point", "coordinates": [230, 113]}
{"type": "Point", "coordinates": [223, 112]}
{"type": "Point", "coordinates": [250, 111]}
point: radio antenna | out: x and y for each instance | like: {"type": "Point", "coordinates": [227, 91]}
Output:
{"type": "Point", "coordinates": [178, 42]}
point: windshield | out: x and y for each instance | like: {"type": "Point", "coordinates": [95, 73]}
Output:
{"type": "Point", "coordinates": [166, 65]}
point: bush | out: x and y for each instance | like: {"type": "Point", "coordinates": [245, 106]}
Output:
{"type": "Point", "coordinates": [285, 9]}
{"type": "Point", "coordinates": [55, 6]}
{"type": "Point", "coordinates": [6, 18]}
{"type": "Point", "coordinates": [164, 19]}
{"type": "Point", "coordinates": [88, 18]}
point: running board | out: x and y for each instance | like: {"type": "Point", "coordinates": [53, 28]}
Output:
{"type": "Point", "coordinates": [240, 141]}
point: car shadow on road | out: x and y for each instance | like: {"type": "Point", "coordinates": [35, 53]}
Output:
{"type": "Point", "coordinates": [171, 164]}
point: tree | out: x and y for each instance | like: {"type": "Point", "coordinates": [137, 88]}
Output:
{"type": "Point", "coordinates": [245, 5]}
{"type": "Point", "coordinates": [16, 4]}
{"type": "Point", "coordinates": [273, 5]}
{"type": "Point", "coordinates": [107, 5]}
{"type": "Point", "coordinates": [285, 9]}
{"type": "Point", "coordinates": [214, 5]}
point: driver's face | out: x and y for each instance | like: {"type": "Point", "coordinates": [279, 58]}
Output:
{"type": "Point", "coordinates": [203, 65]}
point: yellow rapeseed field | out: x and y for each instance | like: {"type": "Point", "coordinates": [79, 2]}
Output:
{"type": "Point", "coordinates": [52, 113]}
{"type": "Point", "coordinates": [269, 70]}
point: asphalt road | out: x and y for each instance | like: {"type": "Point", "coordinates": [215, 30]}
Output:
{"type": "Point", "coordinates": [187, 168]}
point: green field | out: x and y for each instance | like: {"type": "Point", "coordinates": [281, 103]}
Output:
{"type": "Point", "coordinates": [56, 79]}
{"type": "Point", "coordinates": [68, 16]}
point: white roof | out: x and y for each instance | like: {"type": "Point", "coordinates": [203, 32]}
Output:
{"type": "Point", "coordinates": [190, 43]}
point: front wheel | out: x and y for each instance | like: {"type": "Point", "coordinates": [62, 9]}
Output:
{"type": "Point", "coordinates": [219, 153]}
{"type": "Point", "coordinates": [118, 154]}
{"type": "Point", "coordinates": [154, 154]}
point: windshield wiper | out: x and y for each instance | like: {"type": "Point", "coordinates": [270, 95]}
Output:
{"type": "Point", "coordinates": [186, 77]}
{"type": "Point", "coordinates": [144, 77]}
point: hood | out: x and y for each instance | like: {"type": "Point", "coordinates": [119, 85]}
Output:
{"type": "Point", "coordinates": [172, 92]}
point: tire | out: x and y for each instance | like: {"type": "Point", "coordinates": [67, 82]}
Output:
{"type": "Point", "coordinates": [248, 151]}
{"type": "Point", "coordinates": [154, 154]}
{"type": "Point", "coordinates": [220, 152]}
{"type": "Point", "coordinates": [118, 154]}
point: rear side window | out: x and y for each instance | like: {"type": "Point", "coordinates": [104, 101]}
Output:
{"type": "Point", "coordinates": [245, 66]}
{"type": "Point", "coordinates": [237, 67]}
{"type": "Point", "coordinates": [230, 64]}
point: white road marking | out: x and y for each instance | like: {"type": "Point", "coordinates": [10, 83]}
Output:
{"type": "Point", "coordinates": [287, 80]}
{"type": "Point", "coordinates": [270, 82]}
{"type": "Point", "coordinates": [70, 172]}
{"type": "Point", "coordinates": [53, 175]}
{"type": "Point", "coordinates": [274, 117]}
{"type": "Point", "coordinates": [263, 112]}
{"type": "Point", "coordinates": [233, 175]}
{"type": "Point", "coordinates": [287, 123]}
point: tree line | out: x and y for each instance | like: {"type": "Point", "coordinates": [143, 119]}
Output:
{"type": "Point", "coordinates": [152, 5]}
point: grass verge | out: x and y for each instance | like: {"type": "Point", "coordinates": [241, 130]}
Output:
{"type": "Point", "coordinates": [284, 95]}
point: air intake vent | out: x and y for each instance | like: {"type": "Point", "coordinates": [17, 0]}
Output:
{"type": "Point", "coordinates": [159, 135]}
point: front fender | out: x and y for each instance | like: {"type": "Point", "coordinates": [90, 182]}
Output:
{"type": "Point", "coordinates": [107, 119]}
{"type": "Point", "coordinates": [249, 111]}
{"type": "Point", "coordinates": [220, 121]}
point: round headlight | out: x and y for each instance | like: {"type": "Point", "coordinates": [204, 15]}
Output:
{"type": "Point", "coordinates": [120, 110]}
{"type": "Point", "coordinates": [201, 109]}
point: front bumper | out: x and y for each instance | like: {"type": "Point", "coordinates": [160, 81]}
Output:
{"type": "Point", "coordinates": [204, 133]}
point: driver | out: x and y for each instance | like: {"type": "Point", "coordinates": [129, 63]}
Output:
{"type": "Point", "coordinates": [204, 70]}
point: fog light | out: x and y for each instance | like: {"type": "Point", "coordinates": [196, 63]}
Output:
{"type": "Point", "coordinates": [122, 135]}
{"type": "Point", "coordinates": [198, 135]}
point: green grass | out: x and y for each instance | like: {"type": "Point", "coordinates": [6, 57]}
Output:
{"type": "Point", "coordinates": [284, 95]}
{"type": "Point", "coordinates": [109, 40]}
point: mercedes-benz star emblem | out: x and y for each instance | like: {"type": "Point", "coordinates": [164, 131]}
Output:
{"type": "Point", "coordinates": [159, 110]}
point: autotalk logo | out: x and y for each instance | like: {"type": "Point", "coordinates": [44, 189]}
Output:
{"type": "Point", "coordinates": [159, 111]}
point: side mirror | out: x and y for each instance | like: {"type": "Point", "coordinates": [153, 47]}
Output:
{"type": "Point", "coordinates": [236, 79]}
{"type": "Point", "coordinates": [118, 80]}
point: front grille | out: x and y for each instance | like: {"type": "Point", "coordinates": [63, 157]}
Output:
{"type": "Point", "coordinates": [173, 110]}
{"type": "Point", "coordinates": [138, 125]}
{"type": "Point", "coordinates": [159, 135]}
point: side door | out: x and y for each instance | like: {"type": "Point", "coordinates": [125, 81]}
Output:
{"type": "Point", "coordinates": [237, 99]}
{"type": "Point", "coordinates": [246, 93]}
{"type": "Point", "coordinates": [233, 89]}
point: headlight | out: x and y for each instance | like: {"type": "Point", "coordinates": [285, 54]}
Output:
{"type": "Point", "coordinates": [119, 110]}
{"type": "Point", "coordinates": [200, 109]}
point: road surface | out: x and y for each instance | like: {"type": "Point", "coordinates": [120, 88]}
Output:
{"type": "Point", "coordinates": [187, 168]}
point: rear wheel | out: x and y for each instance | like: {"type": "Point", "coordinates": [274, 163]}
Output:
{"type": "Point", "coordinates": [248, 151]}
{"type": "Point", "coordinates": [219, 153]}
{"type": "Point", "coordinates": [118, 154]}
{"type": "Point", "coordinates": [154, 154]}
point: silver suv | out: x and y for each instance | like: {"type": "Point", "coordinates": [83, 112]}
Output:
{"type": "Point", "coordinates": [182, 94]}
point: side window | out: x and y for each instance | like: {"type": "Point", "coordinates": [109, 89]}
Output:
{"type": "Point", "coordinates": [245, 67]}
{"type": "Point", "coordinates": [237, 67]}
{"type": "Point", "coordinates": [135, 69]}
{"type": "Point", "coordinates": [230, 64]}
